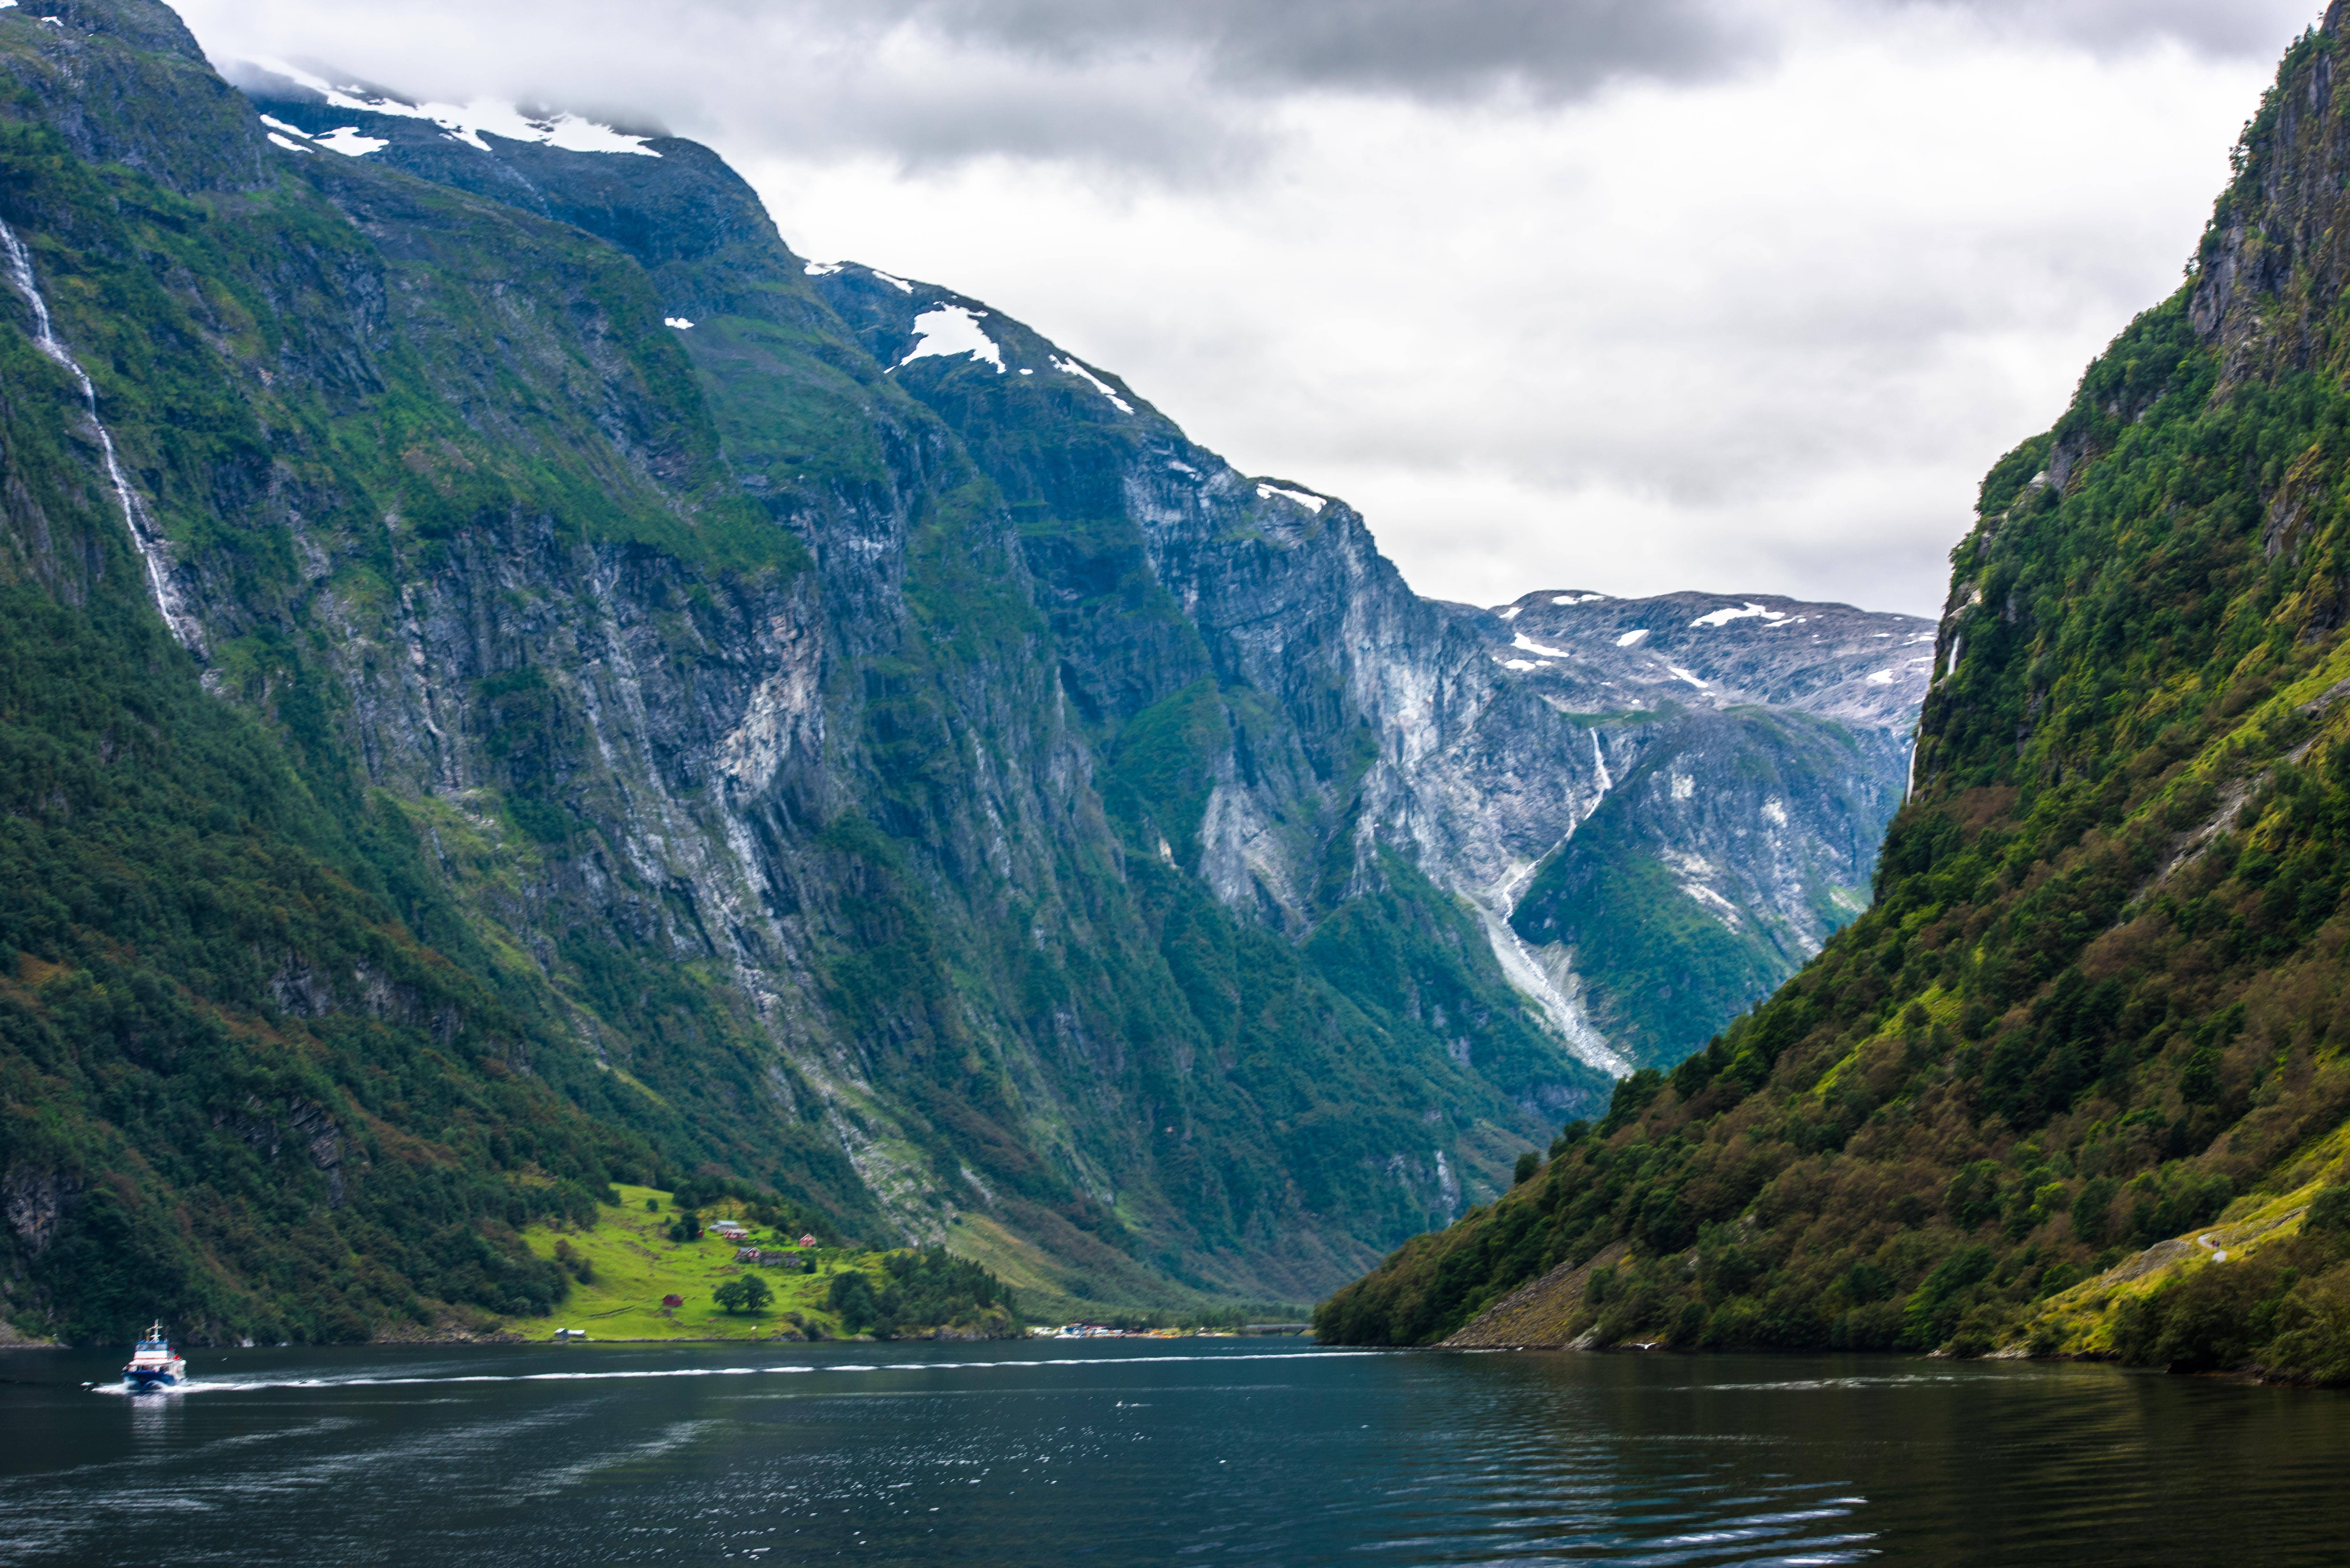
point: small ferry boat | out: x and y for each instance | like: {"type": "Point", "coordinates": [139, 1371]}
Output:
{"type": "Point", "coordinates": [154, 1364]}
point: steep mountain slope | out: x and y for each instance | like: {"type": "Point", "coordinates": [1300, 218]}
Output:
{"type": "Point", "coordinates": [948, 796]}
{"type": "Point", "coordinates": [1362, 714]}
{"type": "Point", "coordinates": [238, 1086]}
{"type": "Point", "coordinates": [2075, 1083]}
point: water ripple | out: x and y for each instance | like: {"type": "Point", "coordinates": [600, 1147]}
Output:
{"type": "Point", "coordinates": [1224, 1454]}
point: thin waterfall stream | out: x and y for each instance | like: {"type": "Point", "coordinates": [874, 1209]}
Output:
{"type": "Point", "coordinates": [1525, 970]}
{"type": "Point", "coordinates": [149, 539]}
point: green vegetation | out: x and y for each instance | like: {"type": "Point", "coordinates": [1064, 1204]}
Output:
{"type": "Point", "coordinates": [2099, 1002]}
{"type": "Point", "coordinates": [259, 1071]}
{"type": "Point", "coordinates": [926, 1289]}
{"type": "Point", "coordinates": [747, 1294]}
{"type": "Point", "coordinates": [623, 1263]}
{"type": "Point", "coordinates": [177, 917]}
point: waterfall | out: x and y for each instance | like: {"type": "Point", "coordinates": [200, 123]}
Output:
{"type": "Point", "coordinates": [1562, 1004]}
{"type": "Point", "coordinates": [144, 535]}
{"type": "Point", "coordinates": [1564, 1010]}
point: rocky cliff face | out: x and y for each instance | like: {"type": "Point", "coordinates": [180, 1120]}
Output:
{"type": "Point", "coordinates": [876, 752]}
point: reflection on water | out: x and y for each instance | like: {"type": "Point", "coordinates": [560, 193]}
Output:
{"type": "Point", "coordinates": [1105, 1455]}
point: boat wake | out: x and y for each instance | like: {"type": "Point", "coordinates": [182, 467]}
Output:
{"type": "Point", "coordinates": [623, 1375]}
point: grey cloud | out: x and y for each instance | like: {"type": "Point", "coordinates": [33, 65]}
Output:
{"type": "Point", "coordinates": [1175, 91]}
{"type": "Point", "coordinates": [1443, 48]}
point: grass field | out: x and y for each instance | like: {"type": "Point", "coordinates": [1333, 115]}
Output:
{"type": "Point", "coordinates": [633, 1264]}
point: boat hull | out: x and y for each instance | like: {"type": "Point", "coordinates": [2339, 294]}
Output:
{"type": "Point", "coordinates": [156, 1377]}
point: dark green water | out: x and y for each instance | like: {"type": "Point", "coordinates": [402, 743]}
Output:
{"type": "Point", "coordinates": [1140, 1452]}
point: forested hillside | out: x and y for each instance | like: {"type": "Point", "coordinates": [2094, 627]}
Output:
{"type": "Point", "coordinates": [239, 1089]}
{"type": "Point", "coordinates": [2075, 1083]}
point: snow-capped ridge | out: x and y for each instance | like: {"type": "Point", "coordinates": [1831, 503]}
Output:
{"type": "Point", "coordinates": [1069, 366]}
{"type": "Point", "coordinates": [467, 122]}
{"type": "Point", "coordinates": [1308, 499]}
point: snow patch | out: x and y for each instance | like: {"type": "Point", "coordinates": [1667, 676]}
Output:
{"type": "Point", "coordinates": [950, 330]}
{"type": "Point", "coordinates": [822, 269]}
{"type": "Point", "coordinates": [1522, 664]}
{"type": "Point", "coordinates": [1071, 367]}
{"type": "Point", "coordinates": [1685, 675]}
{"type": "Point", "coordinates": [900, 284]}
{"type": "Point", "coordinates": [344, 138]}
{"type": "Point", "coordinates": [347, 141]}
{"type": "Point", "coordinates": [1312, 502]}
{"type": "Point", "coordinates": [1882, 678]}
{"type": "Point", "coordinates": [1724, 616]}
{"type": "Point", "coordinates": [1514, 612]}
{"type": "Point", "coordinates": [1683, 786]}
{"type": "Point", "coordinates": [1572, 599]}
{"type": "Point", "coordinates": [288, 142]}
{"type": "Point", "coordinates": [1631, 638]}
{"type": "Point", "coordinates": [469, 122]}
{"type": "Point", "coordinates": [1775, 812]}
{"type": "Point", "coordinates": [679, 322]}
{"type": "Point", "coordinates": [1531, 646]}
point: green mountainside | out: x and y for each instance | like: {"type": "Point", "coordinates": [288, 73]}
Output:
{"type": "Point", "coordinates": [2075, 1084]}
{"type": "Point", "coordinates": [560, 691]}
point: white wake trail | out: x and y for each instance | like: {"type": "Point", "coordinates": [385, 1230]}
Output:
{"type": "Point", "coordinates": [241, 1386]}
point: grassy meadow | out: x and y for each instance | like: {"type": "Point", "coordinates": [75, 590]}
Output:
{"type": "Point", "coordinates": [629, 1264]}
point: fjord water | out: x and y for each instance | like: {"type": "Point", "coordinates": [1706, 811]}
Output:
{"type": "Point", "coordinates": [1154, 1452]}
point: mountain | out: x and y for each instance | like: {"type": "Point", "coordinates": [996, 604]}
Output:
{"type": "Point", "coordinates": [2074, 1085]}
{"type": "Point", "coordinates": [555, 689]}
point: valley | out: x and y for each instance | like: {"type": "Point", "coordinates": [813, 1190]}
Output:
{"type": "Point", "coordinates": [617, 701]}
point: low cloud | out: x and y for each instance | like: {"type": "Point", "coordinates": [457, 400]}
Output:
{"type": "Point", "coordinates": [1627, 297]}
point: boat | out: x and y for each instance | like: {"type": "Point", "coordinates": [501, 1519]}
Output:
{"type": "Point", "coordinates": [154, 1364]}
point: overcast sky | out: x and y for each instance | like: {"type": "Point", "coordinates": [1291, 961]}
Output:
{"type": "Point", "coordinates": [1622, 294]}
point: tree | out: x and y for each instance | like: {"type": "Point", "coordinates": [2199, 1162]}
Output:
{"type": "Point", "coordinates": [1528, 1163]}
{"type": "Point", "coordinates": [748, 1293]}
